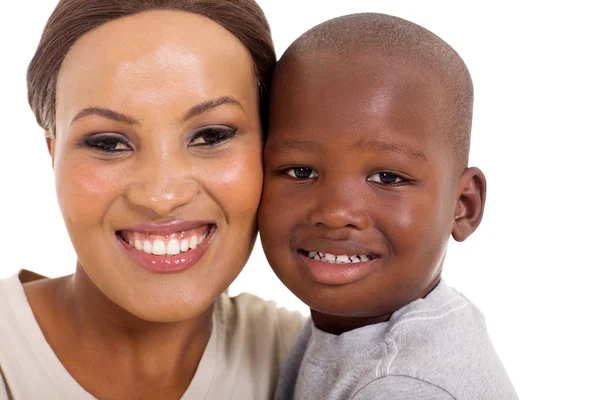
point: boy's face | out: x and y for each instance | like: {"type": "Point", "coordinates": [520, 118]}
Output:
{"type": "Point", "coordinates": [356, 169]}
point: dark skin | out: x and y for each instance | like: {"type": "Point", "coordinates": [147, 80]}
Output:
{"type": "Point", "coordinates": [357, 163]}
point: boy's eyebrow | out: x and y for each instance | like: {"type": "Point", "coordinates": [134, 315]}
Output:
{"type": "Point", "coordinates": [296, 145]}
{"type": "Point", "coordinates": [386, 146]}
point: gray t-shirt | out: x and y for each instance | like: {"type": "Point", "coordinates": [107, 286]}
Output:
{"type": "Point", "coordinates": [249, 342]}
{"type": "Point", "coordinates": [436, 348]}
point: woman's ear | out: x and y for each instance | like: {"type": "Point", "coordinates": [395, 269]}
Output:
{"type": "Point", "coordinates": [50, 145]}
{"type": "Point", "coordinates": [471, 202]}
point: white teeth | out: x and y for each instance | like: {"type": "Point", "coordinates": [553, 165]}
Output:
{"type": "Point", "coordinates": [168, 246]}
{"type": "Point", "coordinates": [173, 247]}
{"type": "Point", "coordinates": [341, 259]}
{"type": "Point", "coordinates": [147, 247]}
{"type": "Point", "coordinates": [185, 245]}
{"type": "Point", "coordinates": [159, 248]}
{"type": "Point", "coordinates": [203, 237]}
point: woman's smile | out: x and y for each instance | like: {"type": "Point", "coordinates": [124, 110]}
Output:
{"type": "Point", "coordinates": [167, 248]}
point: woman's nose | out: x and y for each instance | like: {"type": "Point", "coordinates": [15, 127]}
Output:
{"type": "Point", "coordinates": [339, 205]}
{"type": "Point", "coordinates": [162, 186]}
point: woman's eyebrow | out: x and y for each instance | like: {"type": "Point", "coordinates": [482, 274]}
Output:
{"type": "Point", "coordinates": [105, 113]}
{"type": "Point", "coordinates": [122, 118]}
{"type": "Point", "coordinates": [209, 105]}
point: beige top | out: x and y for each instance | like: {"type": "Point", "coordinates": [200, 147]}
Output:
{"type": "Point", "coordinates": [248, 345]}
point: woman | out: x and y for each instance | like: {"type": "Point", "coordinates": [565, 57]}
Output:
{"type": "Point", "coordinates": [152, 116]}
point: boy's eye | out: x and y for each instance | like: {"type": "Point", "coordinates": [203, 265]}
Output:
{"type": "Point", "coordinates": [212, 135]}
{"type": "Point", "coordinates": [107, 143]}
{"type": "Point", "coordinates": [387, 178]}
{"type": "Point", "coordinates": [301, 173]}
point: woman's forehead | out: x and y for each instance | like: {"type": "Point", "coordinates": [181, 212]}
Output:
{"type": "Point", "coordinates": [155, 59]}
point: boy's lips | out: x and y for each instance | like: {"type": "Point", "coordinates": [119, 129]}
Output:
{"type": "Point", "coordinates": [334, 258]}
{"type": "Point", "coordinates": [337, 273]}
{"type": "Point", "coordinates": [337, 262]}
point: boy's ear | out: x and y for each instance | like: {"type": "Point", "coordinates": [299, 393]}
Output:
{"type": "Point", "coordinates": [471, 202]}
{"type": "Point", "coordinates": [50, 141]}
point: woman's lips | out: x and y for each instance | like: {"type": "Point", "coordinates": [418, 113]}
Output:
{"type": "Point", "coordinates": [165, 250]}
{"type": "Point", "coordinates": [172, 244]}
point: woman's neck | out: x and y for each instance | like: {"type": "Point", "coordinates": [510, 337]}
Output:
{"type": "Point", "coordinates": [86, 329]}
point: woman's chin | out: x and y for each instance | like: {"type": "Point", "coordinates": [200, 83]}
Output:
{"type": "Point", "coordinates": [168, 306]}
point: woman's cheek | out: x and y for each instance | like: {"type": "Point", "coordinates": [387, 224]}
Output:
{"type": "Point", "coordinates": [85, 189]}
{"type": "Point", "coordinates": [236, 183]}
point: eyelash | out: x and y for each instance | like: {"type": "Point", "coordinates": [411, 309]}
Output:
{"type": "Point", "coordinates": [290, 170]}
{"type": "Point", "coordinates": [398, 179]}
{"type": "Point", "coordinates": [293, 172]}
{"type": "Point", "coordinates": [106, 143]}
{"type": "Point", "coordinates": [109, 143]}
{"type": "Point", "coordinates": [222, 134]}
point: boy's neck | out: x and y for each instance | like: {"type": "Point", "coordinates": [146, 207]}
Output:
{"type": "Point", "coordinates": [337, 325]}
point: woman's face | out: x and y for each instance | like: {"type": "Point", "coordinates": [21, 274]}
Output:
{"type": "Point", "coordinates": [157, 158]}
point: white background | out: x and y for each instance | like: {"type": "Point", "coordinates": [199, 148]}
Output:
{"type": "Point", "coordinates": [532, 267]}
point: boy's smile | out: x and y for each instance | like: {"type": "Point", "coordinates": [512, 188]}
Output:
{"type": "Point", "coordinates": [360, 187]}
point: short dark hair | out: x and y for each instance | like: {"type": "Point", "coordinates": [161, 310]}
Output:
{"type": "Point", "coordinates": [72, 19]}
{"type": "Point", "coordinates": [390, 36]}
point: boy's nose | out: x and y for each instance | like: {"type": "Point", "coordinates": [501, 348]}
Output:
{"type": "Point", "coordinates": [162, 187]}
{"type": "Point", "coordinates": [339, 207]}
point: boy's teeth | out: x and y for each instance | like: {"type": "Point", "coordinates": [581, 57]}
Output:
{"type": "Point", "coordinates": [147, 247]}
{"type": "Point", "coordinates": [341, 259]}
{"type": "Point", "coordinates": [193, 242]}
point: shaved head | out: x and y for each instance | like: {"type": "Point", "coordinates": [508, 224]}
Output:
{"type": "Point", "coordinates": [394, 43]}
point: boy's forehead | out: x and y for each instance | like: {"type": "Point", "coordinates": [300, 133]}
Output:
{"type": "Point", "coordinates": [326, 87]}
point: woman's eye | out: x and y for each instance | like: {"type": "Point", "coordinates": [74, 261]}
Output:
{"type": "Point", "coordinates": [212, 135]}
{"type": "Point", "coordinates": [107, 143]}
{"type": "Point", "coordinates": [387, 178]}
{"type": "Point", "coordinates": [301, 173]}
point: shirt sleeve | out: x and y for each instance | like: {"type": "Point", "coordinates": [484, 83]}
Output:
{"type": "Point", "coordinates": [401, 387]}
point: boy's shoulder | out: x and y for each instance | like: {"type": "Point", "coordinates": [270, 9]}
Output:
{"type": "Point", "coordinates": [437, 347]}
{"type": "Point", "coordinates": [442, 340]}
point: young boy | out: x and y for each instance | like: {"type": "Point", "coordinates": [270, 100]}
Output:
{"type": "Point", "coordinates": [366, 179]}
